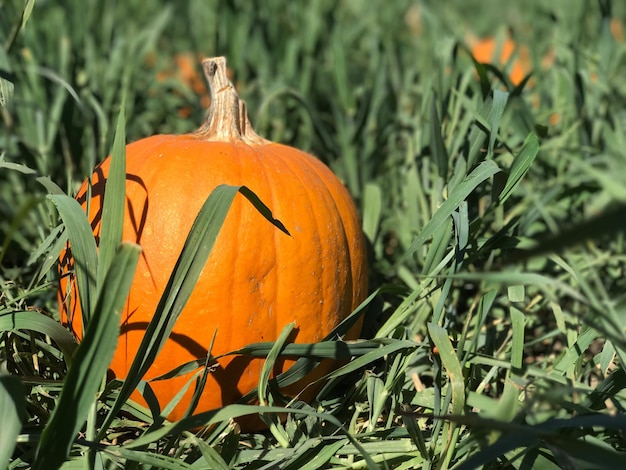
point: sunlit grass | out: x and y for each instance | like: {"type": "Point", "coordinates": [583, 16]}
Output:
{"type": "Point", "coordinates": [495, 332]}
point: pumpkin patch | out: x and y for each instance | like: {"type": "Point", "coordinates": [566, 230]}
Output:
{"type": "Point", "coordinates": [257, 278]}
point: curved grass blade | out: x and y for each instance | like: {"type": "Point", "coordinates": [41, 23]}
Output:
{"type": "Point", "coordinates": [293, 375]}
{"type": "Point", "coordinates": [150, 459]}
{"type": "Point", "coordinates": [372, 209]}
{"type": "Point", "coordinates": [321, 350]}
{"type": "Point", "coordinates": [7, 88]}
{"type": "Point", "coordinates": [327, 347]}
{"type": "Point", "coordinates": [90, 362]}
{"type": "Point", "coordinates": [84, 249]}
{"type": "Point", "coordinates": [315, 351]}
{"type": "Point", "coordinates": [482, 172]}
{"type": "Point", "coordinates": [520, 278]}
{"type": "Point", "coordinates": [268, 365]}
{"type": "Point", "coordinates": [265, 398]}
{"type": "Point", "coordinates": [210, 455]}
{"type": "Point", "coordinates": [35, 321]}
{"type": "Point", "coordinates": [191, 261]}
{"type": "Point", "coordinates": [235, 411]}
{"type": "Point", "coordinates": [262, 208]}
{"type": "Point", "coordinates": [25, 170]}
{"type": "Point", "coordinates": [452, 365]}
{"type": "Point", "coordinates": [304, 365]}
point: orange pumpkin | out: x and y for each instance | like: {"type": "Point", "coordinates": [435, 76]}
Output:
{"type": "Point", "coordinates": [484, 51]}
{"type": "Point", "coordinates": [257, 279]}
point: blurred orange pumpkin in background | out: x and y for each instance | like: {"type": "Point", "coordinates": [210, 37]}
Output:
{"type": "Point", "coordinates": [507, 54]}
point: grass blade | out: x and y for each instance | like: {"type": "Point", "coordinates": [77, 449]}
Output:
{"type": "Point", "coordinates": [6, 90]}
{"type": "Point", "coordinates": [12, 411]}
{"type": "Point", "coordinates": [114, 197]}
{"type": "Point", "coordinates": [438, 148]}
{"type": "Point", "coordinates": [90, 362]}
{"type": "Point", "coordinates": [517, 343]}
{"type": "Point", "coordinates": [499, 103]}
{"type": "Point", "coordinates": [520, 166]}
{"type": "Point", "coordinates": [84, 249]}
{"type": "Point", "coordinates": [191, 261]}
{"type": "Point", "coordinates": [235, 411]}
{"type": "Point", "coordinates": [482, 172]}
{"type": "Point", "coordinates": [265, 398]}
{"type": "Point", "coordinates": [36, 321]}
{"type": "Point", "coordinates": [452, 365]}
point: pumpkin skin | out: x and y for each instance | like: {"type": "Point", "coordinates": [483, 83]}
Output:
{"type": "Point", "coordinates": [257, 279]}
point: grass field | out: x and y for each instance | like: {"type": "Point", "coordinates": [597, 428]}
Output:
{"type": "Point", "coordinates": [494, 208]}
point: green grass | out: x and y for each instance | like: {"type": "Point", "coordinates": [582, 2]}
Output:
{"type": "Point", "coordinates": [495, 215]}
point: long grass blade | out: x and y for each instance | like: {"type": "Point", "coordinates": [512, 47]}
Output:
{"type": "Point", "coordinates": [520, 167]}
{"type": "Point", "coordinates": [12, 413]}
{"type": "Point", "coordinates": [191, 261]}
{"type": "Point", "coordinates": [114, 197]}
{"type": "Point", "coordinates": [499, 103]}
{"type": "Point", "coordinates": [90, 362]}
{"type": "Point", "coordinates": [84, 252]}
{"type": "Point", "coordinates": [438, 148]}
{"type": "Point", "coordinates": [452, 365]}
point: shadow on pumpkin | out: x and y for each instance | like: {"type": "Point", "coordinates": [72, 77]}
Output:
{"type": "Point", "coordinates": [98, 186]}
{"type": "Point", "coordinates": [68, 293]}
{"type": "Point", "coordinates": [227, 368]}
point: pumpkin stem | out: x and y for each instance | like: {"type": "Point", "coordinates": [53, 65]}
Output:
{"type": "Point", "coordinates": [227, 119]}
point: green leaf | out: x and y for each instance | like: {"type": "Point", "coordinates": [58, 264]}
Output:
{"type": "Point", "coordinates": [270, 360]}
{"type": "Point", "coordinates": [210, 455]}
{"type": "Point", "coordinates": [112, 223]}
{"type": "Point", "coordinates": [265, 398]}
{"type": "Point", "coordinates": [151, 459]}
{"type": "Point", "coordinates": [90, 362]}
{"type": "Point", "coordinates": [499, 103]}
{"type": "Point", "coordinates": [372, 202]}
{"type": "Point", "coordinates": [452, 365]}
{"type": "Point", "coordinates": [517, 342]}
{"type": "Point", "coordinates": [84, 251]}
{"type": "Point", "coordinates": [262, 208]}
{"type": "Point", "coordinates": [36, 321]}
{"type": "Point", "coordinates": [438, 148]}
{"type": "Point", "coordinates": [28, 9]}
{"type": "Point", "coordinates": [520, 166]}
{"type": "Point", "coordinates": [6, 90]}
{"type": "Point", "coordinates": [235, 411]}
{"type": "Point", "coordinates": [477, 134]}
{"type": "Point", "coordinates": [482, 172]}
{"type": "Point", "coordinates": [12, 412]}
